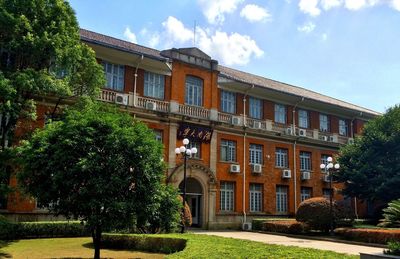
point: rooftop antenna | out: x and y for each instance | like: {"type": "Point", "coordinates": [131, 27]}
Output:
{"type": "Point", "coordinates": [194, 34]}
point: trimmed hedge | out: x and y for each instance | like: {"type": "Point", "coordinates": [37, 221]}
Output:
{"type": "Point", "coordinates": [285, 226]}
{"type": "Point", "coordinates": [143, 243]}
{"type": "Point", "coordinates": [379, 236]}
{"type": "Point", "coordinates": [10, 231]}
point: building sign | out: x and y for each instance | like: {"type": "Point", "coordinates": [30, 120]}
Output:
{"type": "Point", "coordinates": [195, 133]}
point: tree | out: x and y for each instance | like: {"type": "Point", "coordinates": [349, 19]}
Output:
{"type": "Point", "coordinates": [391, 214]}
{"type": "Point", "coordinates": [97, 165]}
{"type": "Point", "coordinates": [370, 168]}
{"type": "Point", "coordinates": [40, 54]}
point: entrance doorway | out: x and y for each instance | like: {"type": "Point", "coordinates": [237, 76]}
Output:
{"type": "Point", "coordinates": [194, 199]}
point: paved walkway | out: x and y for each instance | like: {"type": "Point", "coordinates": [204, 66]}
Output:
{"type": "Point", "coordinates": [291, 241]}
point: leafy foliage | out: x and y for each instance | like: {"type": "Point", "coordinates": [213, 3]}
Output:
{"type": "Point", "coordinates": [40, 54]}
{"type": "Point", "coordinates": [392, 214]}
{"type": "Point", "coordinates": [315, 212]}
{"type": "Point", "coordinates": [377, 235]}
{"type": "Point", "coordinates": [97, 165]}
{"type": "Point", "coordinates": [393, 248]}
{"type": "Point", "coordinates": [370, 167]}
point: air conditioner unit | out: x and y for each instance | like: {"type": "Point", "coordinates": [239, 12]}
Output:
{"type": "Point", "coordinates": [257, 125]}
{"type": "Point", "coordinates": [324, 138]}
{"type": "Point", "coordinates": [121, 99]}
{"type": "Point", "coordinates": [151, 106]}
{"type": "Point", "coordinates": [331, 139]}
{"type": "Point", "coordinates": [256, 168]}
{"type": "Point", "coordinates": [350, 141]}
{"type": "Point", "coordinates": [234, 169]}
{"type": "Point", "coordinates": [305, 175]}
{"type": "Point", "coordinates": [302, 133]}
{"type": "Point", "coordinates": [246, 226]}
{"type": "Point", "coordinates": [289, 131]}
{"type": "Point", "coordinates": [286, 174]}
{"type": "Point", "coordinates": [236, 120]}
{"type": "Point", "coordinates": [326, 178]}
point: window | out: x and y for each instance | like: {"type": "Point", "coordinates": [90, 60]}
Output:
{"type": "Point", "coordinates": [227, 192]}
{"type": "Point", "coordinates": [324, 160]}
{"type": "Point", "coordinates": [305, 161]}
{"type": "Point", "coordinates": [343, 129]}
{"type": "Point", "coordinates": [196, 145]}
{"type": "Point", "coordinates": [280, 113]}
{"type": "Point", "coordinates": [281, 199]}
{"type": "Point", "coordinates": [153, 85]}
{"type": "Point", "coordinates": [324, 123]}
{"type": "Point", "coordinates": [326, 193]}
{"type": "Point", "coordinates": [255, 108]}
{"type": "Point", "coordinates": [303, 119]}
{"type": "Point", "coordinates": [114, 76]}
{"type": "Point", "coordinates": [281, 158]}
{"type": "Point", "coordinates": [255, 197]}
{"type": "Point", "coordinates": [228, 102]}
{"type": "Point", "coordinates": [228, 150]}
{"type": "Point", "coordinates": [158, 135]}
{"type": "Point", "coordinates": [305, 193]}
{"type": "Point", "coordinates": [194, 91]}
{"type": "Point", "coordinates": [256, 154]}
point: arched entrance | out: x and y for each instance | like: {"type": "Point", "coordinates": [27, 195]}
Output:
{"type": "Point", "coordinates": [194, 198]}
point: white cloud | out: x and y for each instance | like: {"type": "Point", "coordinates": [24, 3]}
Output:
{"type": "Point", "coordinates": [395, 4]}
{"type": "Point", "coordinates": [328, 4]}
{"type": "Point", "coordinates": [355, 4]}
{"type": "Point", "coordinates": [307, 27]}
{"type": "Point", "coordinates": [310, 7]}
{"type": "Point", "coordinates": [324, 37]}
{"type": "Point", "coordinates": [229, 49]}
{"type": "Point", "coordinates": [255, 13]}
{"type": "Point", "coordinates": [129, 35]}
{"type": "Point", "coordinates": [214, 10]}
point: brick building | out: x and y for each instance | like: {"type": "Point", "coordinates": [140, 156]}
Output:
{"type": "Point", "coordinates": [260, 141]}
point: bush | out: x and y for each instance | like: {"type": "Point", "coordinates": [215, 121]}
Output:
{"type": "Point", "coordinates": [256, 224]}
{"type": "Point", "coordinates": [391, 214]}
{"type": "Point", "coordinates": [11, 231]}
{"type": "Point", "coordinates": [379, 236]}
{"type": "Point", "coordinates": [282, 226]}
{"type": "Point", "coordinates": [393, 248]}
{"type": "Point", "coordinates": [316, 213]}
{"type": "Point", "coordinates": [143, 243]}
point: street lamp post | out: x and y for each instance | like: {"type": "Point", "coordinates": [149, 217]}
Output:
{"type": "Point", "coordinates": [186, 153]}
{"type": "Point", "coordinates": [327, 166]}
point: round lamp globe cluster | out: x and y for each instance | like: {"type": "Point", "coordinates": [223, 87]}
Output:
{"type": "Point", "coordinates": [184, 150]}
{"type": "Point", "coordinates": [329, 165]}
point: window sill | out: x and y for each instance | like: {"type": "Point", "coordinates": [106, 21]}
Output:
{"type": "Point", "coordinates": [228, 213]}
{"type": "Point", "coordinates": [229, 162]}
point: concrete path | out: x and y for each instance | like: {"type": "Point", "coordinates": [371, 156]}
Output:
{"type": "Point", "coordinates": [291, 241]}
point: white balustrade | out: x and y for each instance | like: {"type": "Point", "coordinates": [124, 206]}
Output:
{"type": "Point", "coordinates": [194, 111]}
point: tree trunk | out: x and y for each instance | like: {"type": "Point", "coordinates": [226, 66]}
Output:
{"type": "Point", "coordinates": [96, 235]}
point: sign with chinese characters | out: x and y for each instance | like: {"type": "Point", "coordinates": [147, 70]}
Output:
{"type": "Point", "coordinates": [195, 133]}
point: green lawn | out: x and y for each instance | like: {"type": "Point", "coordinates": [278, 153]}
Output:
{"type": "Point", "coordinates": [198, 246]}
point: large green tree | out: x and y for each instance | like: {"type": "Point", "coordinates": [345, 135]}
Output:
{"type": "Point", "coordinates": [40, 54]}
{"type": "Point", "coordinates": [100, 166]}
{"type": "Point", "coordinates": [370, 168]}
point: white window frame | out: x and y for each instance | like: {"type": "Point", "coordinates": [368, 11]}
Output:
{"type": "Point", "coordinates": [343, 128]}
{"type": "Point", "coordinates": [324, 160]}
{"type": "Point", "coordinates": [282, 199]}
{"type": "Point", "coordinates": [228, 102]}
{"type": "Point", "coordinates": [280, 113]}
{"type": "Point", "coordinates": [194, 91]}
{"type": "Point", "coordinates": [303, 119]}
{"type": "Point", "coordinates": [115, 75]}
{"type": "Point", "coordinates": [324, 125]}
{"type": "Point", "coordinates": [228, 150]}
{"type": "Point", "coordinates": [158, 135]}
{"type": "Point", "coordinates": [305, 193]}
{"type": "Point", "coordinates": [281, 158]}
{"type": "Point", "coordinates": [255, 108]}
{"type": "Point", "coordinates": [154, 85]}
{"type": "Point", "coordinates": [227, 196]}
{"type": "Point", "coordinates": [256, 154]}
{"type": "Point", "coordinates": [197, 145]}
{"type": "Point", "coordinates": [305, 161]}
{"type": "Point", "coordinates": [255, 197]}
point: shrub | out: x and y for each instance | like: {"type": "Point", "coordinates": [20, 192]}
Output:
{"type": "Point", "coordinates": [143, 243]}
{"type": "Point", "coordinates": [393, 248]}
{"type": "Point", "coordinates": [391, 214]}
{"type": "Point", "coordinates": [7, 229]}
{"type": "Point", "coordinates": [256, 224]}
{"type": "Point", "coordinates": [379, 236]}
{"type": "Point", "coordinates": [282, 226]}
{"type": "Point", "coordinates": [316, 213]}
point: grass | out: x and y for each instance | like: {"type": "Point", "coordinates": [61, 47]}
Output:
{"type": "Point", "coordinates": [198, 246]}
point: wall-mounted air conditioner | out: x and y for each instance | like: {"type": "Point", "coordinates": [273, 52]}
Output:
{"type": "Point", "coordinates": [121, 99]}
{"type": "Point", "coordinates": [289, 131]}
{"type": "Point", "coordinates": [350, 141]}
{"type": "Point", "coordinates": [326, 178]}
{"type": "Point", "coordinates": [257, 125]}
{"type": "Point", "coordinates": [305, 175]}
{"type": "Point", "coordinates": [286, 173]}
{"type": "Point", "coordinates": [236, 120]}
{"type": "Point", "coordinates": [234, 169]}
{"type": "Point", "coordinates": [324, 138]}
{"type": "Point", "coordinates": [331, 139]}
{"type": "Point", "coordinates": [151, 106]}
{"type": "Point", "coordinates": [302, 133]}
{"type": "Point", "coordinates": [246, 226]}
{"type": "Point", "coordinates": [256, 168]}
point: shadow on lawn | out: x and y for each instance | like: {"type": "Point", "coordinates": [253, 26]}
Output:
{"type": "Point", "coordinates": [3, 244]}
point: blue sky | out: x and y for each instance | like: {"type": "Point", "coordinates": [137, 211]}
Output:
{"type": "Point", "coordinates": [347, 49]}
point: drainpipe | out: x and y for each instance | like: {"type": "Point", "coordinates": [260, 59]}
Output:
{"type": "Point", "coordinates": [244, 153]}
{"type": "Point", "coordinates": [294, 154]}
{"type": "Point", "coordinates": [134, 85]}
